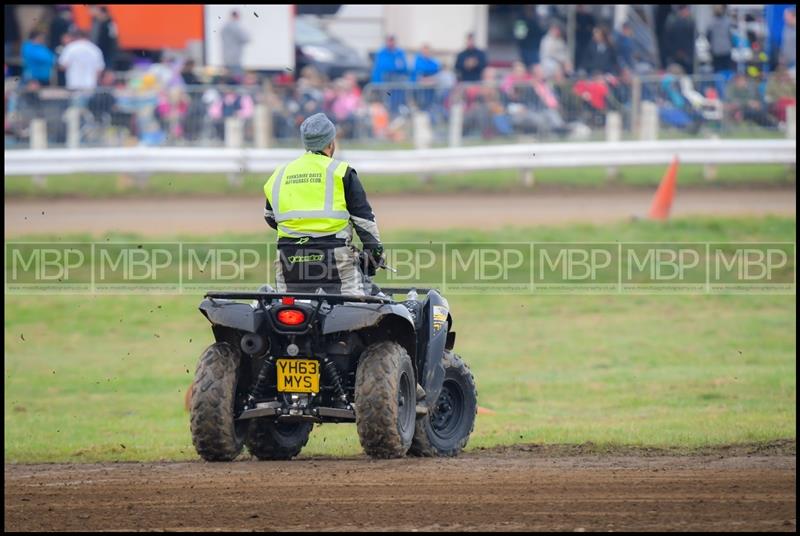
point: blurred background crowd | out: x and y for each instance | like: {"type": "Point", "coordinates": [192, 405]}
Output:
{"type": "Point", "coordinates": [532, 71]}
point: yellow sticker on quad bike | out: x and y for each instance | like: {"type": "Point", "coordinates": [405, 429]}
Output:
{"type": "Point", "coordinates": [439, 317]}
{"type": "Point", "coordinates": [298, 376]}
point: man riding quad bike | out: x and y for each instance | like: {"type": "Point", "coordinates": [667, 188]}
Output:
{"type": "Point", "coordinates": [328, 345]}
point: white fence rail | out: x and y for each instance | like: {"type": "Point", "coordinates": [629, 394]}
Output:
{"type": "Point", "coordinates": [488, 157]}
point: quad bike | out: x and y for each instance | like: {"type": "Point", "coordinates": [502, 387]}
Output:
{"type": "Point", "coordinates": [288, 360]}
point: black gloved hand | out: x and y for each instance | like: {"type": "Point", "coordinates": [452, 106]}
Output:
{"type": "Point", "coordinates": [371, 260]}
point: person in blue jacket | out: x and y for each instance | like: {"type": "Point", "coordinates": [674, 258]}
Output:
{"type": "Point", "coordinates": [390, 63]}
{"type": "Point", "coordinates": [390, 66]}
{"type": "Point", "coordinates": [37, 59]}
{"type": "Point", "coordinates": [425, 70]}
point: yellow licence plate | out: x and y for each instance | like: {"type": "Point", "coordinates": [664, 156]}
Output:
{"type": "Point", "coordinates": [298, 376]}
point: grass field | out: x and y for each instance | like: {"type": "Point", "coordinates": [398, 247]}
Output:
{"type": "Point", "coordinates": [486, 181]}
{"type": "Point", "coordinates": [96, 378]}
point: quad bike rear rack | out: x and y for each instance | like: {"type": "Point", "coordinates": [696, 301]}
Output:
{"type": "Point", "coordinates": [330, 298]}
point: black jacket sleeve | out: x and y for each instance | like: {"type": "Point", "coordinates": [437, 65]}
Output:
{"type": "Point", "coordinates": [360, 211]}
{"type": "Point", "coordinates": [269, 215]}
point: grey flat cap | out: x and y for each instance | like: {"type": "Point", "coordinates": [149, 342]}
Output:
{"type": "Point", "coordinates": [317, 132]}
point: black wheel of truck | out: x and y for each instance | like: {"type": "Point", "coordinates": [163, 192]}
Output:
{"type": "Point", "coordinates": [216, 436]}
{"type": "Point", "coordinates": [385, 400]}
{"type": "Point", "coordinates": [446, 429]}
{"type": "Point", "coordinates": [268, 440]}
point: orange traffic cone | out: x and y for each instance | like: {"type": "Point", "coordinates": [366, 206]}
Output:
{"type": "Point", "coordinates": [662, 202]}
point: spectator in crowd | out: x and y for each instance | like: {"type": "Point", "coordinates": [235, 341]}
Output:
{"type": "Point", "coordinates": [484, 113]}
{"type": "Point", "coordinates": [37, 59]}
{"type": "Point", "coordinates": [11, 31]}
{"type": "Point", "coordinates": [101, 103]}
{"type": "Point", "coordinates": [173, 106]}
{"type": "Point", "coordinates": [516, 85]}
{"type": "Point", "coordinates": [789, 39]}
{"type": "Point", "coordinates": [345, 105]}
{"type": "Point", "coordinates": [187, 73]}
{"type": "Point", "coordinates": [675, 108]}
{"type": "Point", "coordinates": [234, 38]}
{"type": "Point", "coordinates": [554, 52]}
{"type": "Point", "coordinates": [425, 72]}
{"type": "Point", "coordinates": [781, 92]}
{"type": "Point", "coordinates": [594, 93]}
{"type": "Point", "coordinates": [600, 55]}
{"type": "Point", "coordinates": [390, 66]}
{"type": "Point", "coordinates": [743, 102]}
{"type": "Point", "coordinates": [549, 112]}
{"type": "Point", "coordinates": [679, 38]}
{"type": "Point", "coordinates": [104, 34]}
{"type": "Point", "coordinates": [21, 107]}
{"type": "Point", "coordinates": [584, 24]}
{"type": "Point", "coordinates": [309, 94]}
{"type": "Point", "coordinates": [61, 26]}
{"type": "Point", "coordinates": [82, 61]}
{"type": "Point", "coordinates": [470, 62]}
{"type": "Point", "coordinates": [720, 37]}
{"type": "Point", "coordinates": [528, 35]}
{"type": "Point", "coordinates": [571, 103]}
{"type": "Point", "coordinates": [229, 102]}
{"type": "Point", "coordinates": [390, 63]}
{"type": "Point", "coordinates": [624, 45]}
{"type": "Point", "coordinates": [426, 67]}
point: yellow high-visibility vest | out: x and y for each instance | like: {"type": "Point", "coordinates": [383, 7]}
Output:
{"type": "Point", "coordinates": [307, 196]}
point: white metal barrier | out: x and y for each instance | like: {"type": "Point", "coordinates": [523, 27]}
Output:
{"type": "Point", "coordinates": [487, 157]}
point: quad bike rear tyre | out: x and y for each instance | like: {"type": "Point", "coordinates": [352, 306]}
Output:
{"type": "Point", "coordinates": [267, 440]}
{"type": "Point", "coordinates": [216, 436]}
{"type": "Point", "coordinates": [446, 429]}
{"type": "Point", "coordinates": [385, 399]}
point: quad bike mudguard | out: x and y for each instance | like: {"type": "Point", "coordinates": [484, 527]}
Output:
{"type": "Point", "coordinates": [352, 317]}
{"type": "Point", "coordinates": [432, 339]}
{"type": "Point", "coordinates": [232, 314]}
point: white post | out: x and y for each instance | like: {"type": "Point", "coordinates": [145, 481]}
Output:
{"type": "Point", "coordinates": [423, 137]}
{"type": "Point", "coordinates": [234, 137]}
{"type": "Point", "coordinates": [233, 133]}
{"type": "Point", "coordinates": [527, 177]}
{"type": "Point", "coordinates": [649, 130]}
{"type": "Point", "coordinates": [38, 139]}
{"type": "Point", "coordinates": [73, 119]}
{"type": "Point", "coordinates": [38, 134]}
{"type": "Point", "coordinates": [710, 170]}
{"type": "Point", "coordinates": [456, 124]}
{"type": "Point", "coordinates": [636, 102]}
{"type": "Point", "coordinates": [423, 134]}
{"type": "Point", "coordinates": [613, 134]}
{"type": "Point", "coordinates": [262, 124]}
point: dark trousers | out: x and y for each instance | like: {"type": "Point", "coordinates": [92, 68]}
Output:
{"type": "Point", "coordinates": [335, 270]}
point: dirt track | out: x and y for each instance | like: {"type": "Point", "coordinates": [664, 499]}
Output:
{"type": "Point", "coordinates": [504, 489]}
{"type": "Point", "coordinates": [168, 216]}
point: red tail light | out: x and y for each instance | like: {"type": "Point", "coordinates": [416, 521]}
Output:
{"type": "Point", "coordinates": [291, 317]}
